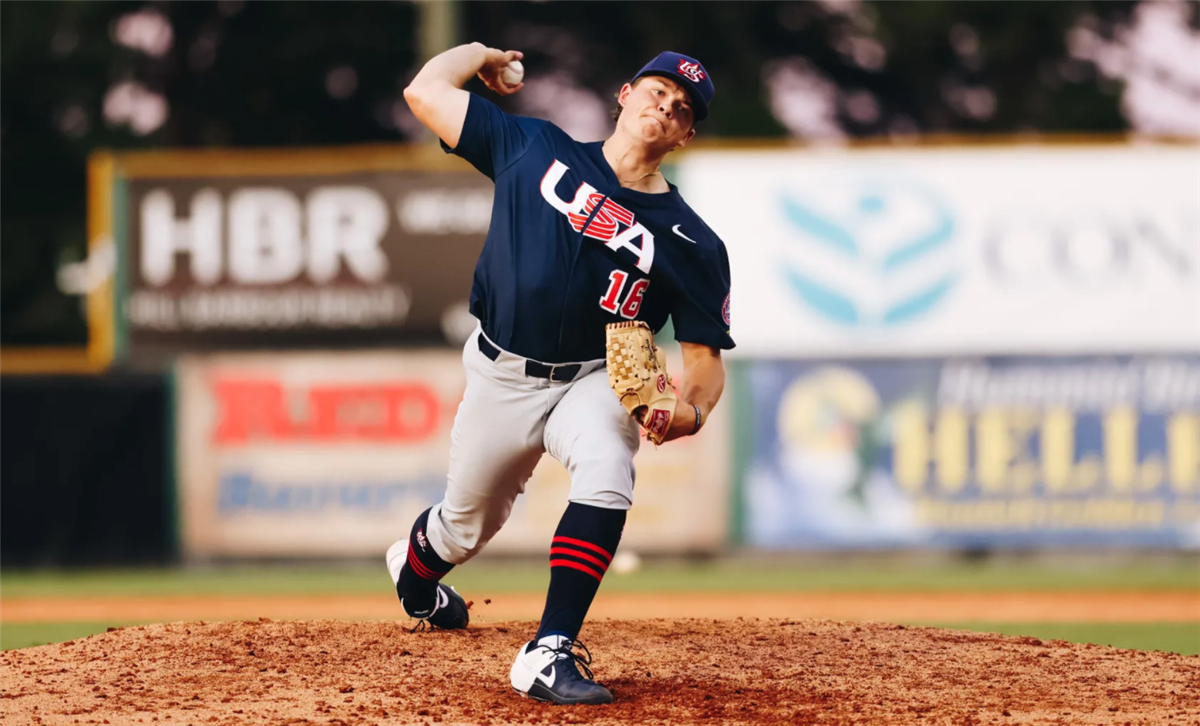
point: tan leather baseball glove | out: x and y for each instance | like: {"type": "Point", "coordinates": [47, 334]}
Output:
{"type": "Point", "coordinates": [637, 373]}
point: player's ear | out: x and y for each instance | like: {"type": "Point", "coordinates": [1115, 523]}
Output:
{"type": "Point", "coordinates": [623, 94]}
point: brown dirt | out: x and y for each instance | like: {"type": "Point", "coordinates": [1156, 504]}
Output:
{"type": "Point", "coordinates": [1125, 607]}
{"type": "Point", "coordinates": [663, 672]}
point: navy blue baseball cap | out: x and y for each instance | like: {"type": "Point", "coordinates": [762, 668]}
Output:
{"type": "Point", "coordinates": [688, 73]}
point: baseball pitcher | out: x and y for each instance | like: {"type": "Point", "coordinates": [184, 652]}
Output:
{"type": "Point", "coordinates": [590, 250]}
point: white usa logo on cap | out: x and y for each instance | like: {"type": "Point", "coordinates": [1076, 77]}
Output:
{"type": "Point", "coordinates": [692, 71]}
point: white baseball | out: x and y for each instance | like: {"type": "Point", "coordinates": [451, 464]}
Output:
{"type": "Point", "coordinates": [625, 562]}
{"type": "Point", "coordinates": [512, 73]}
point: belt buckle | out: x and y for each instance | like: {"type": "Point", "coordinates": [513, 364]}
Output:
{"type": "Point", "coordinates": [554, 369]}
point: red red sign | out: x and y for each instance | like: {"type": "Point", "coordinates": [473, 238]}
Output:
{"type": "Point", "coordinates": [256, 409]}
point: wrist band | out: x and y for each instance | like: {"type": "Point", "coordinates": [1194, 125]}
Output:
{"type": "Point", "coordinates": [698, 422]}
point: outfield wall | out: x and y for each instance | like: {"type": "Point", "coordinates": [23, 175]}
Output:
{"type": "Point", "coordinates": [86, 471]}
{"type": "Point", "coordinates": [1024, 453]}
{"type": "Point", "coordinates": [938, 347]}
{"type": "Point", "coordinates": [963, 347]}
{"type": "Point", "coordinates": [954, 251]}
{"type": "Point", "coordinates": [324, 454]}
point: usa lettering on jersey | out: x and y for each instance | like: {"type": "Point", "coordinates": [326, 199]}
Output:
{"type": "Point", "coordinates": [605, 223]}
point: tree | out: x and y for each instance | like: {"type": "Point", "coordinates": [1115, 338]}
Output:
{"type": "Point", "coordinates": [79, 76]}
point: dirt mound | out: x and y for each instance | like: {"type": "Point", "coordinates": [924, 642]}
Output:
{"type": "Point", "coordinates": [662, 672]}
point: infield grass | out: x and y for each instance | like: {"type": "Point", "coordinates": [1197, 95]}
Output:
{"type": "Point", "coordinates": [25, 635]}
{"type": "Point", "coordinates": [732, 575]}
{"type": "Point", "coordinates": [1170, 637]}
{"type": "Point", "coordinates": [1070, 575]}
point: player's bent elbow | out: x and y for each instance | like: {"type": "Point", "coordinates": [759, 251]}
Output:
{"type": "Point", "coordinates": [425, 96]}
{"type": "Point", "coordinates": [422, 103]}
{"type": "Point", "coordinates": [415, 99]}
{"type": "Point", "coordinates": [440, 107]}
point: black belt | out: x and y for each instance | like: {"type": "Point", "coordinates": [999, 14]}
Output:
{"type": "Point", "coordinates": [561, 373]}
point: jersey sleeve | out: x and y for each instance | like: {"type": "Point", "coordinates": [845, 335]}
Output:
{"type": "Point", "coordinates": [701, 314]}
{"type": "Point", "coordinates": [491, 139]}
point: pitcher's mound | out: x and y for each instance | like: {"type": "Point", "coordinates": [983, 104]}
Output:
{"type": "Point", "coordinates": [661, 671]}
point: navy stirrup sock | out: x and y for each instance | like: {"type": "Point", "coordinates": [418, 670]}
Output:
{"type": "Point", "coordinates": [419, 577]}
{"type": "Point", "coordinates": [583, 546]}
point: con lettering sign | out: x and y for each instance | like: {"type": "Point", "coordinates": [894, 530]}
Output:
{"type": "Point", "coordinates": [958, 251]}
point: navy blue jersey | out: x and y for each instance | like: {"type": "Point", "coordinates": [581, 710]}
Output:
{"type": "Point", "coordinates": [570, 250]}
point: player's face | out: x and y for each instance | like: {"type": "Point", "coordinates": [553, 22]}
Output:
{"type": "Point", "coordinates": [658, 111]}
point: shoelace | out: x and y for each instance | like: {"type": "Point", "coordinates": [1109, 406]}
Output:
{"type": "Point", "coordinates": [423, 624]}
{"type": "Point", "coordinates": [567, 648]}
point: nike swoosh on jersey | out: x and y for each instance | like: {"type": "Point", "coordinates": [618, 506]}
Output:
{"type": "Point", "coordinates": [675, 229]}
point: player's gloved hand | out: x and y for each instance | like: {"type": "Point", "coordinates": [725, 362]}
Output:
{"type": "Point", "coordinates": [637, 373]}
{"type": "Point", "coordinates": [493, 67]}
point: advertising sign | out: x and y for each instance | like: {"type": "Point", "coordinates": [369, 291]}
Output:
{"type": "Point", "coordinates": [301, 261]}
{"type": "Point", "coordinates": [951, 251]}
{"type": "Point", "coordinates": [328, 455]}
{"type": "Point", "coordinates": [982, 453]}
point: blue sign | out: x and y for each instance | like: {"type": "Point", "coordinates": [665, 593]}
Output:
{"type": "Point", "coordinates": [242, 492]}
{"type": "Point", "coordinates": [982, 453]}
{"type": "Point", "coordinates": [874, 254]}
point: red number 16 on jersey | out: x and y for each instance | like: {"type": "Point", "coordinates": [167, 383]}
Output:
{"type": "Point", "coordinates": [611, 302]}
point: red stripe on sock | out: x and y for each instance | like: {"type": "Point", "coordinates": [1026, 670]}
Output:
{"type": "Point", "coordinates": [421, 570]}
{"type": "Point", "coordinates": [578, 566]}
{"type": "Point", "coordinates": [582, 555]}
{"type": "Point", "coordinates": [581, 543]}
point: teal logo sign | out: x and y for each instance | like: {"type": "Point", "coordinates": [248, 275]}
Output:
{"type": "Point", "coordinates": [868, 255]}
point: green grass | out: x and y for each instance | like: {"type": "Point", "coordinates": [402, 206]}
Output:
{"type": "Point", "coordinates": [1066, 574]}
{"type": "Point", "coordinates": [1170, 637]}
{"type": "Point", "coordinates": [25, 635]}
{"type": "Point", "coordinates": [657, 576]}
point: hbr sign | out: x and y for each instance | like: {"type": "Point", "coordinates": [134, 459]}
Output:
{"type": "Point", "coordinates": [264, 235]}
{"type": "Point", "coordinates": [250, 258]}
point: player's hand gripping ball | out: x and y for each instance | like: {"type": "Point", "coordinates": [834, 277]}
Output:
{"type": "Point", "coordinates": [513, 73]}
{"type": "Point", "coordinates": [637, 373]}
{"type": "Point", "coordinates": [502, 71]}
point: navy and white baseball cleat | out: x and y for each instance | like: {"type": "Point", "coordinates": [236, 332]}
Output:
{"type": "Point", "coordinates": [548, 670]}
{"type": "Point", "coordinates": [448, 610]}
